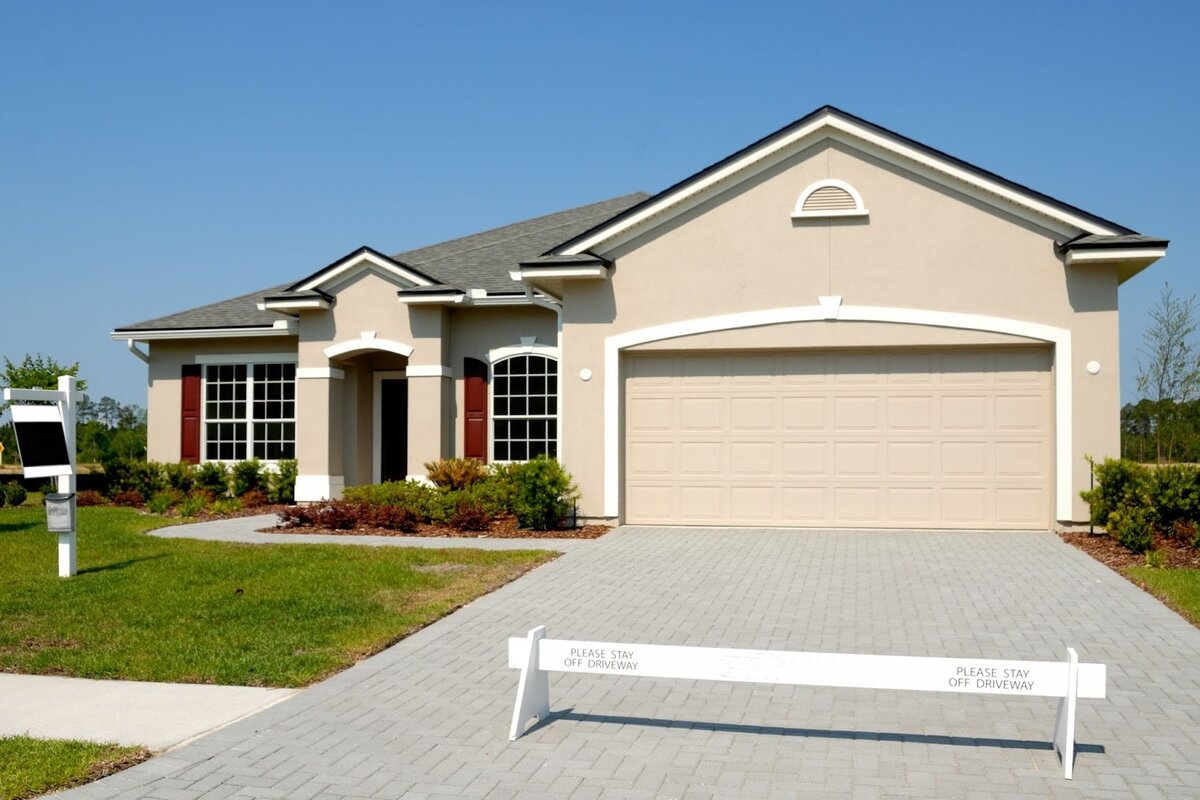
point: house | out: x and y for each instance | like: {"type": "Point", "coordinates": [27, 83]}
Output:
{"type": "Point", "coordinates": [835, 326]}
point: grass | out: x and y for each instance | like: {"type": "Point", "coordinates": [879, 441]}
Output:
{"type": "Point", "coordinates": [1178, 588]}
{"type": "Point", "coordinates": [145, 608]}
{"type": "Point", "coordinates": [30, 767]}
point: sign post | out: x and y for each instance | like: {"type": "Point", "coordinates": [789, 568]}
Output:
{"type": "Point", "coordinates": [46, 444]}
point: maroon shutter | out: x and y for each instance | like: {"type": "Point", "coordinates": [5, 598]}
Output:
{"type": "Point", "coordinates": [475, 411]}
{"type": "Point", "coordinates": [189, 415]}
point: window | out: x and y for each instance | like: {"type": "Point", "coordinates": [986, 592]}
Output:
{"type": "Point", "coordinates": [263, 426]}
{"type": "Point", "coordinates": [524, 408]}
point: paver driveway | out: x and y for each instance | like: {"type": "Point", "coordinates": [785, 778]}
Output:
{"type": "Point", "coordinates": [429, 717]}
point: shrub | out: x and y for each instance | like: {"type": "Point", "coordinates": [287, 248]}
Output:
{"type": "Point", "coordinates": [164, 501]}
{"type": "Point", "coordinates": [193, 505]}
{"type": "Point", "coordinates": [255, 498]}
{"type": "Point", "coordinates": [129, 497]}
{"type": "Point", "coordinates": [283, 481]}
{"type": "Point", "coordinates": [226, 505]}
{"type": "Point", "coordinates": [1130, 525]}
{"type": "Point", "coordinates": [15, 494]}
{"type": "Point", "coordinates": [336, 515]}
{"type": "Point", "coordinates": [180, 476]}
{"type": "Point", "coordinates": [545, 493]}
{"type": "Point", "coordinates": [455, 473]}
{"type": "Point", "coordinates": [471, 515]}
{"type": "Point", "coordinates": [247, 476]}
{"type": "Point", "coordinates": [425, 501]}
{"type": "Point", "coordinates": [1156, 559]}
{"type": "Point", "coordinates": [213, 476]}
{"type": "Point", "coordinates": [131, 474]}
{"type": "Point", "coordinates": [1119, 483]}
{"type": "Point", "coordinates": [391, 518]}
{"type": "Point", "coordinates": [1174, 492]}
{"type": "Point", "coordinates": [89, 497]}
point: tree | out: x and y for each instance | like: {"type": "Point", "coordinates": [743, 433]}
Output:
{"type": "Point", "coordinates": [1170, 373]}
{"type": "Point", "coordinates": [36, 372]}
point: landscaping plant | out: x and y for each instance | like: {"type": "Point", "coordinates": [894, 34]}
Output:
{"type": "Point", "coordinates": [247, 476]}
{"type": "Point", "coordinates": [455, 473]}
{"type": "Point", "coordinates": [545, 494]}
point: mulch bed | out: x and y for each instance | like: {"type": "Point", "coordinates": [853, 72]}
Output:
{"type": "Point", "coordinates": [1108, 550]}
{"type": "Point", "coordinates": [503, 528]}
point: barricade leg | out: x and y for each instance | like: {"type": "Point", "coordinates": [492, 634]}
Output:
{"type": "Point", "coordinates": [1064, 723]}
{"type": "Point", "coordinates": [533, 692]}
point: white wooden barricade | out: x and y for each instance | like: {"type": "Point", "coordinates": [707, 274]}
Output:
{"type": "Point", "coordinates": [536, 656]}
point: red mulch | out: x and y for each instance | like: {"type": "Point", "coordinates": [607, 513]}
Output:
{"type": "Point", "coordinates": [1107, 550]}
{"type": "Point", "coordinates": [502, 528]}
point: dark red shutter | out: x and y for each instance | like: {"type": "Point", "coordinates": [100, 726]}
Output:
{"type": "Point", "coordinates": [189, 415]}
{"type": "Point", "coordinates": [475, 411]}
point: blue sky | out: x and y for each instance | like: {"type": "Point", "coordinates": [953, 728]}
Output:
{"type": "Point", "coordinates": [157, 156]}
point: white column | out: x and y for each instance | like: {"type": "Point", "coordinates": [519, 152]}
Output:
{"type": "Point", "coordinates": [66, 482]}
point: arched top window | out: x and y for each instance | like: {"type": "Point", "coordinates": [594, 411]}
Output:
{"type": "Point", "coordinates": [524, 407]}
{"type": "Point", "coordinates": [829, 198]}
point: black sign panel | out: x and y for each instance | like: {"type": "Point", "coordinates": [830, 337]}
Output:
{"type": "Point", "coordinates": [41, 444]}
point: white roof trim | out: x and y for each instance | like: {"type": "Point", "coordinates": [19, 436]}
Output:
{"type": "Point", "coordinates": [280, 328]}
{"type": "Point", "coordinates": [430, 298]}
{"type": "Point", "coordinates": [593, 272]}
{"type": "Point", "coordinates": [297, 304]}
{"type": "Point", "coordinates": [829, 125]}
{"type": "Point", "coordinates": [356, 262]}
{"type": "Point", "coordinates": [1113, 255]}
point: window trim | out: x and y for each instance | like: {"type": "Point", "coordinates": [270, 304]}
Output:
{"type": "Point", "coordinates": [528, 346]}
{"type": "Point", "coordinates": [249, 360]}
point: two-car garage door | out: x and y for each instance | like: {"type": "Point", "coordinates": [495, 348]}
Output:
{"type": "Point", "coordinates": [920, 438]}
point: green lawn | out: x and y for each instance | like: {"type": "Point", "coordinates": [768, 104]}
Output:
{"type": "Point", "coordinates": [29, 767]}
{"type": "Point", "coordinates": [1178, 588]}
{"type": "Point", "coordinates": [145, 608]}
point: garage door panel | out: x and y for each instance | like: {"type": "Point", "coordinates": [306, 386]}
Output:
{"type": "Point", "coordinates": [958, 438]}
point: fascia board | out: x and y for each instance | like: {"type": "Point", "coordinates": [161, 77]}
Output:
{"type": "Point", "coordinates": [831, 126]}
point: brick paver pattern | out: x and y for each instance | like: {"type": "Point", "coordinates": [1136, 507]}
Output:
{"type": "Point", "coordinates": [429, 717]}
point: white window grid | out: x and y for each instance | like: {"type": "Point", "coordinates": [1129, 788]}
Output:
{"type": "Point", "coordinates": [249, 410]}
{"type": "Point", "coordinates": [524, 406]}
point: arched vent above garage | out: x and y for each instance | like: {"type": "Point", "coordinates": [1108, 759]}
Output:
{"type": "Point", "coordinates": [829, 198]}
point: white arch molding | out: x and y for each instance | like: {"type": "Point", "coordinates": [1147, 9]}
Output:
{"type": "Point", "coordinates": [368, 343]}
{"type": "Point", "coordinates": [1059, 337]}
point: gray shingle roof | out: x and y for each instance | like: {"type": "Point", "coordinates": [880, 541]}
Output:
{"type": "Point", "coordinates": [237, 312]}
{"type": "Point", "coordinates": [482, 260]}
{"type": "Point", "coordinates": [479, 261]}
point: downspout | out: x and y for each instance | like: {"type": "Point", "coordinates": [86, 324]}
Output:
{"type": "Point", "coordinates": [142, 356]}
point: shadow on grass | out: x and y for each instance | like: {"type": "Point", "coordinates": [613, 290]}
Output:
{"type": "Point", "coordinates": [16, 527]}
{"type": "Point", "coordinates": [815, 733]}
{"type": "Point", "coordinates": [120, 564]}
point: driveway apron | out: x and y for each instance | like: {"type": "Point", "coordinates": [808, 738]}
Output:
{"type": "Point", "coordinates": [429, 717]}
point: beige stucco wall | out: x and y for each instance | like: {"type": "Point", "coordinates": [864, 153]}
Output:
{"type": "Point", "coordinates": [921, 247]}
{"type": "Point", "coordinates": [164, 384]}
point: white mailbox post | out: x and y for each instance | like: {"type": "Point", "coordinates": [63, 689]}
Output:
{"type": "Point", "coordinates": [46, 442]}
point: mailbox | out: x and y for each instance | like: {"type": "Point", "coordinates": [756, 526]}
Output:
{"type": "Point", "coordinates": [60, 512]}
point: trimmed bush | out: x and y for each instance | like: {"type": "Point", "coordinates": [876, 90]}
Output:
{"type": "Point", "coordinates": [283, 481]}
{"type": "Point", "coordinates": [180, 476]}
{"type": "Point", "coordinates": [255, 498]}
{"type": "Point", "coordinates": [15, 494]}
{"type": "Point", "coordinates": [89, 497]}
{"type": "Point", "coordinates": [1174, 494]}
{"type": "Point", "coordinates": [471, 515]}
{"type": "Point", "coordinates": [1130, 525]}
{"type": "Point", "coordinates": [130, 497]}
{"type": "Point", "coordinates": [162, 502]}
{"type": "Point", "coordinates": [390, 518]}
{"type": "Point", "coordinates": [1120, 483]}
{"type": "Point", "coordinates": [425, 501]}
{"type": "Point", "coordinates": [455, 473]}
{"type": "Point", "coordinates": [247, 476]}
{"type": "Point", "coordinates": [193, 505]}
{"type": "Point", "coordinates": [545, 494]}
{"type": "Point", "coordinates": [213, 476]}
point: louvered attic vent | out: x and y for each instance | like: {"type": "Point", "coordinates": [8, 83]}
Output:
{"type": "Point", "coordinates": [829, 198]}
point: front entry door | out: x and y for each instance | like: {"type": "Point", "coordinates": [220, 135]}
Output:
{"type": "Point", "coordinates": [393, 429]}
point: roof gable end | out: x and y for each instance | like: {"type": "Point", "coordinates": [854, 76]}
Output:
{"type": "Point", "coordinates": [829, 122]}
{"type": "Point", "coordinates": [364, 258]}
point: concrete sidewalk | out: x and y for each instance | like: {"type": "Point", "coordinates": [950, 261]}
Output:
{"type": "Point", "coordinates": [156, 715]}
{"type": "Point", "coordinates": [246, 531]}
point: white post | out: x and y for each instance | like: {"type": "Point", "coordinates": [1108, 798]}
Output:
{"type": "Point", "coordinates": [533, 692]}
{"type": "Point", "coordinates": [1064, 723]}
{"type": "Point", "coordinates": [66, 482]}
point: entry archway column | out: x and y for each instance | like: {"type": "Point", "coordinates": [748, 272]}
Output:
{"type": "Point", "coordinates": [319, 434]}
{"type": "Point", "coordinates": [430, 414]}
